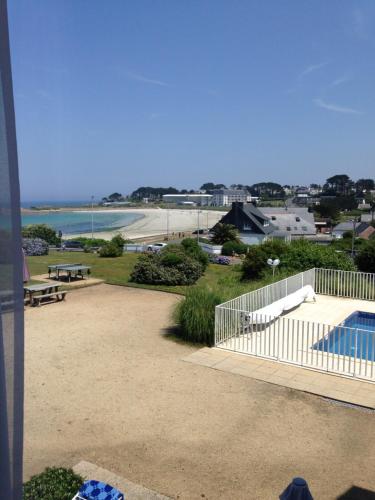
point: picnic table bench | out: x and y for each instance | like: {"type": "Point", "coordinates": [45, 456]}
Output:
{"type": "Point", "coordinates": [37, 293]}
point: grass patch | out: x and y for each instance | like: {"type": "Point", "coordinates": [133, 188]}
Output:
{"type": "Point", "coordinates": [117, 271]}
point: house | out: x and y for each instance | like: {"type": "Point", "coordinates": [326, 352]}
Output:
{"type": "Point", "coordinates": [362, 230]}
{"type": "Point", "coordinates": [225, 197]}
{"type": "Point", "coordinates": [294, 221]}
{"type": "Point", "coordinates": [257, 225]}
{"type": "Point", "coordinates": [253, 226]}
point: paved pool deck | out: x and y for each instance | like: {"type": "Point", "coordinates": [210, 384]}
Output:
{"type": "Point", "coordinates": [347, 390]}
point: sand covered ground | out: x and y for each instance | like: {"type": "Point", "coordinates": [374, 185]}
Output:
{"type": "Point", "coordinates": [156, 221]}
{"type": "Point", "coordinates": [105, 383]}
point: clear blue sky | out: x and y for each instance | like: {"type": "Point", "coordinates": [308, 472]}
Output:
{"type": "Point", "coordinates": [111, 95]}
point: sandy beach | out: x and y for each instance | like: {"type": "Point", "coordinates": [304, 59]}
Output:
{"type": "Point", "coordinates": [156, 221]}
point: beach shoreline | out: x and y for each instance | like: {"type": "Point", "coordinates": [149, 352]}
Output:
{"type": "Point", "coordinates": [156, 221]}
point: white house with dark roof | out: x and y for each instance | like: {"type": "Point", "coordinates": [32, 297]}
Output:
{"type": "Point", "coordinates": [256, 225]}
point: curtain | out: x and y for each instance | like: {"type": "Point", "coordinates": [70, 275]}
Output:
{"type": "Point", "coordinates": [11, 290]}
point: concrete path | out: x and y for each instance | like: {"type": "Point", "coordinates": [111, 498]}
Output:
{"type": "Point", "coordinates": [131, 490]}
{"type": "Point", "coordinates": [327, 385]}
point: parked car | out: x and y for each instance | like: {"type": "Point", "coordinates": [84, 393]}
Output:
{"type": "Point", "coordinates": [72, 246]}
{"type": "Point", "coordinates": [156, 247]}
{"type": "Point", "coordinates": [201, 231]}
{"type": "Point", "coordinates": [219, 259]}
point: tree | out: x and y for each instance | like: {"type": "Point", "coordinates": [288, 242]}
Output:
{"type": "Point", "coordinates": [113, 198]}
{"type": "Point", "coordinates": [364, 185]}
{"type": "Point", "coordinates": [42, 231]}
{"type": "Point", "coordinates": [223, 233]}
{"type": "Point", "coordinates": [340, 184]}
{"type": "Point", "coordinates": [152, 193]}
{"type": "Point", "coordinates": [267, 189]}
{"type": "Point", "coordinates": [210, 186]}
{"type": "Point", "coordinates": [365, 259]}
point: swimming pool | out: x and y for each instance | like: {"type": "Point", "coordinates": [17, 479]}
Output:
{"type": "Point", "coordinates": [355, 336]}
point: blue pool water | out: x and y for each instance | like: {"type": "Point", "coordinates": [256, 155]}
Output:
{"type": "Point", "coordinates": [354, 336]}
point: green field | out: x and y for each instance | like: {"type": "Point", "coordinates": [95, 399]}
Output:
{"type": "Point", "coordinates": [116, 271]}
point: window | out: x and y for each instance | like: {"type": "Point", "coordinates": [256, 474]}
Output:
{"type": "Point", "coordinates": [304, 228]}
{"type": "Point", "coordinates": [288, 228]}
{"type": "Point", "coordinates": [273, 217]}
{"type": "Point", "coordinates": [247, 227]}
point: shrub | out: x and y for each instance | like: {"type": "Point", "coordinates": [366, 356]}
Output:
{"type": "Point", "coordinates": [231, 247]}
{"type": "Point", "coordinates": [297, 256]}
{"type": "Point", "coordinates": [52, 484]}
{"type": "Point", "coordinates": [42, 231]}
{"type": "Point", "coordinates": [192, 249]}
{"type": "Point", "coordinates": [119, 241]}
{"type": "Point", "coordinates": [34, 246]}
{"type": "Point", "coordinates": [365, 259]}
{"type": "Point", "coordinates": [90, 242]}
{"type": "Point", "coordinates": [110, 250]}
{"type": "Point", "coordinates": [221, 233]}
{"type": "Point", "coordinates": [195, 315]}
{"type": "Point", "coordinates": [255, 263]}
{"type": "Point", "coordinates": [166, 269]}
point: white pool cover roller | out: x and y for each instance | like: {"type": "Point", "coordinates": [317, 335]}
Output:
{"type": "Point", "coordinates": [274, 310]}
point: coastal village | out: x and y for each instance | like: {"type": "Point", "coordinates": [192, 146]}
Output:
{"type": "Point", "coordinates": [268, 316]}
{"type": "Point", "coordinates": [187, 250]}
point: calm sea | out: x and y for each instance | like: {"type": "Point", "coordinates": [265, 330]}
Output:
{"type": "Point", "coordinates": [79, 222]}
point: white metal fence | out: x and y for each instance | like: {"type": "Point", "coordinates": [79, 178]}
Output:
{"type": "Point", "coordinates": [338, 349]}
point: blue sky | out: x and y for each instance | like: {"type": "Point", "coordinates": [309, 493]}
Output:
{"type": "Point", "coordinates": [111, 95]}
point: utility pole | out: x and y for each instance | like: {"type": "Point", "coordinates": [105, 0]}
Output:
{"type": "Point", "coordinates": [353, 237]}
{"type": "Point", "coordinates": [167, 224]}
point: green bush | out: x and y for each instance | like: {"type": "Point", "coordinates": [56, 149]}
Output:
{"type": "Point", "coordinates": [42, 231]}
{"type": "Point", "coordinates": [297, 256]}
{"type": "Point", "coordinates": [110, 250]}
{"type": "Point", "coordinates": [159, 269]}
{"type": "Point", "coordinates": [195, 315]}
{"type": "Point", "coordinates": [255, 263]}
{"type": "Point", "coordinates": [90, 242]}
{"type": "Point", "coordinates": [221, 233]}
{"type": "Point", "coordinates": [192, 249]}
{"type": "Point", "coordinates": [52, 484]}
{"type": "Point", "coordinates": [231, 247]}
{"type": "Point", "coordinates": [119, 241]}
{"type": "Point", "coordinates": [365, 259]}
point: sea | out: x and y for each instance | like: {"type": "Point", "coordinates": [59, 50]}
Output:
{"type": "Point", "coordinates": [77, 222]}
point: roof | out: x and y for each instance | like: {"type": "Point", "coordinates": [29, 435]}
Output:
{"type": "Point", "coordinates": [230, 192]}
{"type": "Point", "coordinates": [241, 212]}
{"type": "Point", "coordinates": [348, 226]}
{"type": "Point", "coordinates": [292, 220]}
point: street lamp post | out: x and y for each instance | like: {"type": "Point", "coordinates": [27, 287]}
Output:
{"type": "Point", "coordinates": [198, 227]}
{"type": "Point", "coordinates": [92, 218]}
{"type": "Point", "coordinates": [273, 263]}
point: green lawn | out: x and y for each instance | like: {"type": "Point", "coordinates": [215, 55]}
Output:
{"type": "Point", "coordinates": [116, 271]}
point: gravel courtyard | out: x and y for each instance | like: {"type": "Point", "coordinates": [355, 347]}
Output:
{"type": "Point", "coordinates": [105, 383]}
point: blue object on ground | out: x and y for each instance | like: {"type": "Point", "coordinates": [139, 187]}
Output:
{"type": "Point", "coordinates": [297, 490]}
{"type": "Point", "coordinates": [96, 490]}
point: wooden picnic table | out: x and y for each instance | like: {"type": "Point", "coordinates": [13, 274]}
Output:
{"type": "Point", "coordinates": [37, 293]}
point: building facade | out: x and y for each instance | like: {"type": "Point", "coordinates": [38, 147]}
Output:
{"type": "Point", "coordinates": [189, 199]}
{"type": "Point", "coordinates": [225, 197]}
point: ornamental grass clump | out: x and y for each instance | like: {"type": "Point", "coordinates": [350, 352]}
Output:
{"type": "Point", "coordinates": [195, 315]}
{"type": "Point", "coordinates": [55, 483]}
